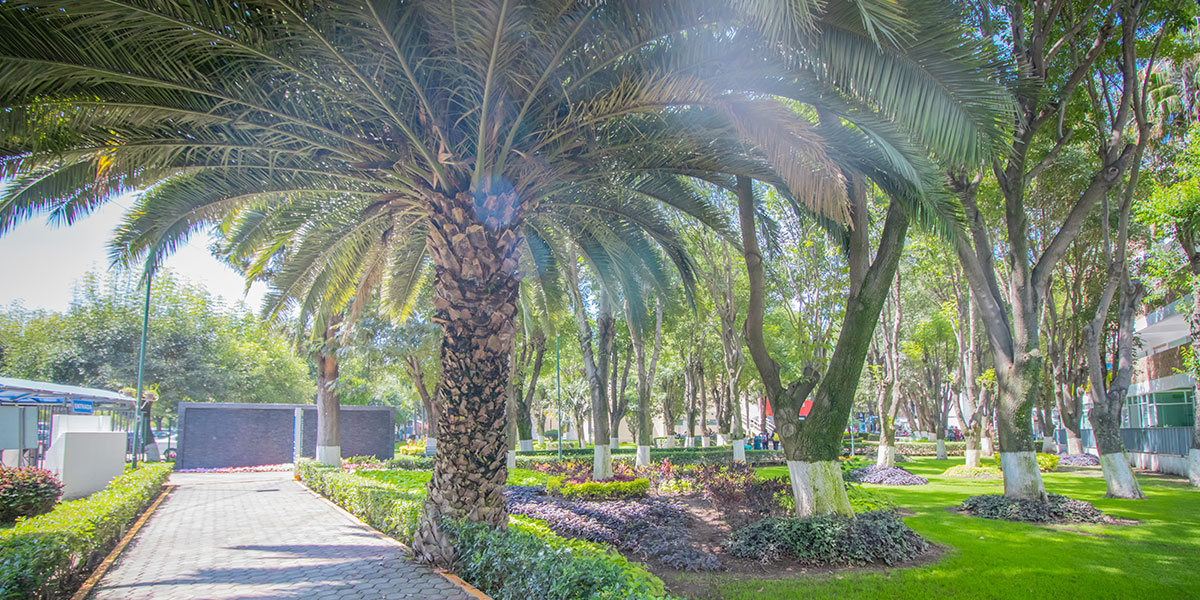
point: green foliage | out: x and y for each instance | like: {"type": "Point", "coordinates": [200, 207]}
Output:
{"type": "Point", "coordinates": [915, 448]}
{"type": "Point", "coordinates": [872, 537]}
{"type": "Point", "coordinates": [389, 501]}
{"type": "Point", "coordinates": [49, 555]}
{"type": "Point", "coordinates": [1056, 509]}
{"type": "Point", "coordinates": [528, 561]}
{"type": "Point", "coordinates": [863, 500]}
{"type": "Point", "coordinates": [410, 463]}
{"type": "Point", "coordinates": [610, 489]}
{"type": "Point", "coordinates": [197, 350]}
{"type": "Point", "coordinates": [980, 472]}
{"type": "Point", "coordinates": [26, 492]}
{"type": "Point", "coordinates": [1046, 462]}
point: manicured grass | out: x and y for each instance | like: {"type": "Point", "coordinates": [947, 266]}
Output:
{"type": "Point", "coordinates": [1158, 558]}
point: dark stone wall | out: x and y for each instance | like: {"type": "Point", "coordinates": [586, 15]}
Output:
{"type": "Point", "coordinates": [242, 435]}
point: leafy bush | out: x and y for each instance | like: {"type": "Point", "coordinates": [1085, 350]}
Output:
{"type": "Point", "coordinates": [1045, 462]}
{"type": "Point", "coordinates": [527, 561]}
{"type": "Point", "coordinates": [873, 537]}
{"type": "Point", "coordinates": [410, 463]}
{"type": "Point", "coordinates": [620, 487]}
{"type": "Point", "coordinates": [50, 555]}
{"type": "Point", "coordinates": [885, 476]}
{"type": "Point", "coordinates": [650, 527]}
{"type": "Point", "coordinates": [389, 501]}
{"type": "Point", "coordinates": [1080, 460]}
{"type": "Point", "coordinates": [27, 492]}
{"type": "Point", "coordinates": [1056, 509]}
{"type": "Point", "coordinates": [980, 472]}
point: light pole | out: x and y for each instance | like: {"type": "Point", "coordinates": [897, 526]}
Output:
{"type": "Point", "coordinates": [138, 402]}
{"type": "Point", "coordinates": [558, 378]}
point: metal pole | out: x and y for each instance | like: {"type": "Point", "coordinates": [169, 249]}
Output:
{"type": "Point", "coordinates": [558, 377]}
{"type": "Point", "coordinates": [137, 421]}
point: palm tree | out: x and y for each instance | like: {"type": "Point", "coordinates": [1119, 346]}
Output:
{"type": "Point", "coordinates": [372, 140]}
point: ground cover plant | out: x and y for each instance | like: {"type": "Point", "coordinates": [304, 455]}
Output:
{"type": "Point", "coordinates": [1056, 509]}
{"type": "Point", "coordinates": [1046, 462]}
{"type": "Point", "coordinates": [885, 476]}
{"type": "Point", "coordinates": [987, 558]}
{"type": "Point", "coordinates": [873, 537]}
{"type": "Point", "coordinates": [618, 487]}
{"type": "Point", "coordinates": [1079, 460]}
{"type": "Point", "coordinates": [26, 492]}
{"type": "Point", "coordinates": [49, 555]}
{"type": "Point", "coordinates": [967, 472]}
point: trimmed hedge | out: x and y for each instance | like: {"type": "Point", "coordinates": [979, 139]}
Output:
{"type": "Point", "coordinates": [616, 488]}
{"type": "Point", "coordinates": [27, 492]}
{"type": "Point", "coordinates": [862, 448]}
{"type": "Point", "coordinates": [50, 555]}
{"type": "Point", "coordinates": [391, 505]}
{"type": "Point", "coordinates": [528, 561]}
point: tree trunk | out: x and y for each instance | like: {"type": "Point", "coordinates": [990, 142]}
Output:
{"type": "Point", "coordinates": [475, 248]}
{"type": "Point", "coordinates": [413, 366]}
{"type": "Point", "coordinates": [813, 446]}
{"type": "Point", "coordinates": [329, 450]}
{"type": "Point", "coordinates": [704, 442]}
{"type": "Point", "coordinates": [645, 378]}
{"type": "Point", "coordinates": [1194, 326]}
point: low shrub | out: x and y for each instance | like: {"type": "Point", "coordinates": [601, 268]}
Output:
{"type": "Point", "coordinates": [389, 501]}
{"type": "Point", "coordinates": [27, 492]}
{"type": "Point", "coordinates": [1080, 460]}
{"type": "Point", "coordinates": [1046, 462]}
{"type": "Point", "coordinates": [922, 448]}
{"type": "Point", "coordinates": [49, 555]}
{"type": "Point", "coordinates": [1056, 509]}
{"type": "Point", "coordinates": [620, 487]}
{"type": "Point", "coordinates": [980, 472]}
{"type": "Point", "coordinates": [410, 463]}
{"type": "Point", "coordinates": [872, 537]}
{"type": "Point", "coordinates": [885, 476]}
{"type": "Point", "coordinates": [528, 561]}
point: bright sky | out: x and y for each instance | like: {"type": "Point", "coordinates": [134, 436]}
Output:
{"type": "Point", "coordinates": [40, 264]}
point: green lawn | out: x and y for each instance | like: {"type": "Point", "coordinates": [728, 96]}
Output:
{"type": "Point", "coordinates": [1158, 558]}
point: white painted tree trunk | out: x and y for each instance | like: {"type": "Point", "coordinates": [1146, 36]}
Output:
{"type": "Point", "coordinates": [1194, 466]}
{"type": "Point", "coordinates": [602, 462]}
{"type": "Point", "coordinates": [886, 457]}
{"type": "Point", "coordinates": [669, 441]}
{"type": "Point", "coordinates": [988, 447]}
{"type": "Point", "coordinates": [941, 449]}
{"type": "Point", "coordinates": [689, 442]}
{"type": "Point", "coordinates": [525, 445]}
{"type": "Point", "coordinates": [511, 463]}
{"type": "Point", "coordinates": [818, 488]}
{"type": "Point", "coordinates": [1119, 478]}
{"type": "Point", "coordinates": [1022, 479]}
{"type": "Point", "coordinates": [972, 456]}
{"type": "Point", "coordinates": [722, 439]}
{"type": "Point", "coordinates": [739, 451]}
{"type": "Point", "coordinates": [643, 456]}
{"type": "Point", "coordinates": [329, 455]}
{"type": "Point", "coordinates": [614, 442]}
{"type": "Point", "coordinates": [1049, 446]}
{"type": "Point", "coordinates": [704, 441]}
{"type": "Point", "coordinates": [1074, 445]}
{"type": "Point", "coordinates": [430, 446]}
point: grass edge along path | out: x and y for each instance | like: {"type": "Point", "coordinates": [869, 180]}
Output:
{"type": "Point", "coordinates": [1157, 558]}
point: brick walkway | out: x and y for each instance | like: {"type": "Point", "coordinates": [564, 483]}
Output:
{"type": "Point", "coordinates": [261, 535]}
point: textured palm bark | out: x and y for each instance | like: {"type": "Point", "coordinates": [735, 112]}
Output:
{"type": "Point", "coordinates": [328, 450]}
{"type": "Point", "coordinates": [813, 445]}
{"type": "Point", "coordinates": [475, 248]}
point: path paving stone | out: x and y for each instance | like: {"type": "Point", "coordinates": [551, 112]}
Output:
{"type": "Point", "coordinates": [261, 535]}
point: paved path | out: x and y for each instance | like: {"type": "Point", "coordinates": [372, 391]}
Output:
{"type": "Point", "coordinates": [261, 535]}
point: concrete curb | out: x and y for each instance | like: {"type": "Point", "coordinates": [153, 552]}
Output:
{"type": "Point", "coordinates": [86, 589]}
{"type": "Point", "coordinates": [452, 578]}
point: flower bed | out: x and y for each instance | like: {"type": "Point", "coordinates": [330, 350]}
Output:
{"type": "Point", "coordinates": [619, 487]}
{"type": "Point", "coordinates": [1079, 460]}
{"type": "Point", "coordinates": [980, 472]}
{"type": "Point", "coordinates": [873, 537]}
{"type": "Point", "coordinates": [51, 554]}
{"type": "Point", "coordinates": [885, 476]}
{"type": "Point", "coordinates": [650, 527]}
{"type": "Point", "coordinates": [1056, 509]}
{"type": "Point", "coordinates": [278, 468]}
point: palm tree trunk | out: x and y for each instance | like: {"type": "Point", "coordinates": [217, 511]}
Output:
{"type": "Point", "coordinates": [329, 449]}
{"type": "Point", "coordinates": [475, 302]}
